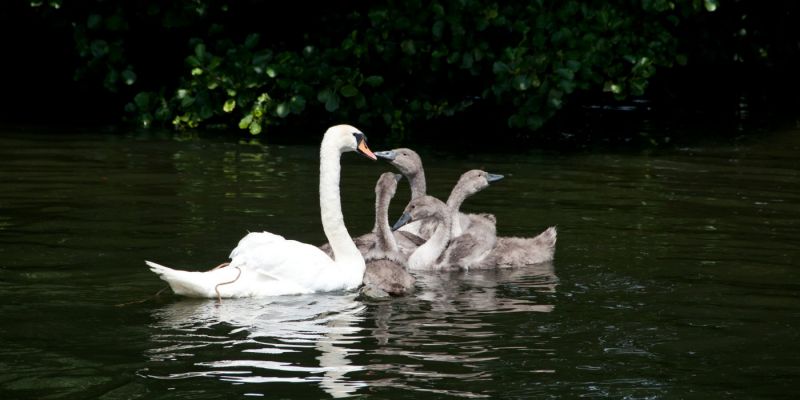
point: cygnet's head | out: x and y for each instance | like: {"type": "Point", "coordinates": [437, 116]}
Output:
{"type": "Point", "coordinates": [475, 180]}
{"type": "Point", "coordinates": [421, 208]}
{"type": "Point", "coordinates": [348, 138]}
{"type": "Point", "coordinates": [387, 184]}
{"type": "Point", "coordinates": [406, 161]}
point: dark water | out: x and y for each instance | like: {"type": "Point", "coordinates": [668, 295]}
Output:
{"type": "Point", "coordinates": [676, 276]}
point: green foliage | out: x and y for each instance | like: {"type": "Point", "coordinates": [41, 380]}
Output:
{"type": "Point", "coordinates": [399, 63]}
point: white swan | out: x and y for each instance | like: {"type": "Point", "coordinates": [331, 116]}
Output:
{"type": "Point", "coordinates": [265, 264]}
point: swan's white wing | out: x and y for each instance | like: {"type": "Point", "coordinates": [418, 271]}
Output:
{"type": "Point", "coordinates": [289, 263]}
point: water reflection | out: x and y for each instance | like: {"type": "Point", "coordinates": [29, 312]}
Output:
{"type": "Point", "coordinates": [343, 344]}
{"type": "Point", "coordinates": [243, 332]}
{"type": "Point", "coordinates": [445, 334]}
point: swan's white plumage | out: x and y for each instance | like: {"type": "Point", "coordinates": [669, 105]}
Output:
{"type": "Point", "coordinates": [266, 264]}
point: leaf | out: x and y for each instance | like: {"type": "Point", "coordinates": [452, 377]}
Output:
{"type": "Point", "coordinates": [200, 50]}
{"type": "Point", "coordinates": [408, 47]}
{"type": "Point", "coordinates": [197, 71]}
{"type": "Point", "coordinates": [244, 123]}
{"type": "Point", "coordinates": [129, 76]}
{"type": "Point", "coordinates": [142, 100]}
{"type": "Point", "coordinates": [187, 101]}
{"type": "Point", "coordinates": [499, 67]}
{"type": "Point", "coordinates": [374, 80]}
{"type": "Point", "coordinates": [255, 128]}
{"type": "Point", "coordinates": [332, 104]}
{"type": "Point", "coordinates": [349, 91]}
{"type": "Point", "coordinates": [438, 29]}
{"type": "Point", "coordinates": [229, 105]}
{"type": "Point", "coordinates": [361, 101]}
{"type": "Point", "coordinates": [297, 104]}
{"type": "Point", "coordinates": [251, 40]}
{"type": "Point", "coordinates": [466, 61]}
{"type": "Point", "coordinates": [99, 48]}
{"type": "Point", "coordinates": [93, 21]}
{"type": "Point", "coordinates": [282, 110]}
{"type": "Point", "coordinates": [324, 95]}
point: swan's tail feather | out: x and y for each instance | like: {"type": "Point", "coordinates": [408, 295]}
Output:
{"type": "Point", "coordinates": [186, 283]}
{"type": "Point", "coordinates": [547, 238]}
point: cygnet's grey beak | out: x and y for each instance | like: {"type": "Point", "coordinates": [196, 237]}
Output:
{"type": "Point", "coordinates": [493, 177]}
{"type": "Point", "coordinates": [402, 221]}
{"type": "Point", "coordinates": [397, 177]}
{"type": "Point", "coordinates": [386, 155]}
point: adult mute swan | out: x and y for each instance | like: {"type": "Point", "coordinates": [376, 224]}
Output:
{"type": "Point", "coordinates": [265, 264]}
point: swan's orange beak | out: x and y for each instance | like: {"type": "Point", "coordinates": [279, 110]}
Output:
{"type": "Point", "coordinates": [363, 149]}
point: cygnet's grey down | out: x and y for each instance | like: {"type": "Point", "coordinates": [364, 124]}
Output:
{"type": "Point", "coordinates": [517, 251]}
{"type": "Point", "coordinates": [421, 208]}
{"type": "Point", "coordinates": [469, 245]}
{"type": "Point", "coordinates": [508, 251]}
{"type": "Point", "coordinates": [385, 261]}
{"type": "Point", "coordinates": [409, 163]}
{"type": "Point", "coordinates": [477, 248]}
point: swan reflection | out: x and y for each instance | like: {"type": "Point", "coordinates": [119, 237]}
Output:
{"type": "Point", "coordinates": [446, 332]}
{"type": "Point", "coordinates": [271, 339]}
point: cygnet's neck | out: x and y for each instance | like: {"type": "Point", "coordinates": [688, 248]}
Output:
{"type": "Point", "coordinates": [385, 239]}
{"type": "Point", "coordinates": [454, 201]}
{"type": "Point", "coordinates": [417, 182]}
{"type": "Point", "coordinates": [425, 256]}
{"type": "Point", "coordinates": [344, 250]}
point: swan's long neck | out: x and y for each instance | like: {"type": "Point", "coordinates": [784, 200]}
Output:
{"type": "Point", "coordinates": [386, 241]}
{"type": "Point", "coordinates": [425, 256]}
{"type": "Point", "coordinates": [330, 204]}
{"type": "Point", "coordinates": [418, 185]}
{"type": "Point", "coordinates": [454, 201]}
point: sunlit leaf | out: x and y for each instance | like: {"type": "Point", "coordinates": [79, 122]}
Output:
{"type": "Point", "coordinates": [282, 110]}
{"type": "Point", "coordinates": [245, 122]}
{"type": "Point", "coordinates": [255, 128]}
{"type": "Point", "coordinates": [229, 105]}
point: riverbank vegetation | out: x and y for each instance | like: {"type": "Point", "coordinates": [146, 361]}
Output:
{"type": "Point", "coordinates": [400, 66]}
